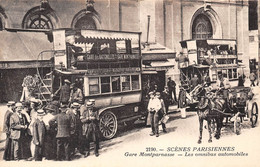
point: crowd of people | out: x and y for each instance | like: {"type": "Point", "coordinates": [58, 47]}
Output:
{"type": "Point", "coordinates": [56, 131]}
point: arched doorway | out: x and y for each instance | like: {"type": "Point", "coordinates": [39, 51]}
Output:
{"type": "Point", "coordinates": [202, 28]}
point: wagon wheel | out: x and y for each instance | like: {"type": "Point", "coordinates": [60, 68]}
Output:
{"type": "Point", "coordinates": [108, 125]}
{"type": "Point", "coordinates": [254, 114]}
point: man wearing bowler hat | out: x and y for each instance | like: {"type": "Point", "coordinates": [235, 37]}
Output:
{"type": "Point", "coordinates": [7, 130]}
{"type": "Point", "coordinates": [89, 117]}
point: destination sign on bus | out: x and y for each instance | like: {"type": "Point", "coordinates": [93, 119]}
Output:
{"type": "Point", "coordinates": [108, 57]}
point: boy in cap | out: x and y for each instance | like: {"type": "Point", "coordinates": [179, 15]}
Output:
{"type": "Point", "coordinates": [6, 128]}
{"type": "Point", "coordinates": [39, 131]}
{"type": "Point", "coordinates": [89, 117]}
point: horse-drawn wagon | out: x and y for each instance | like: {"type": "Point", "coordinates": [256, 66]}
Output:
{"type": "Point", "coordinates": [213, 108]}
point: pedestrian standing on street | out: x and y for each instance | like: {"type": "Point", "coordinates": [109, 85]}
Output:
{"type": "Point", "coordinates": [172, 88]}
{"type": "Point", "coordinates": [19, 125]}
{"type": "Point", "coordinates": [166, 98]}
{"type": "Point", "coordinates": [7, 129]}
{"type": "Point", "coordinates": [252, 78]}
{"type": "Point", "coordinates": [249, 105]}
{"type": "Point", "coordinates": [90, 119]}
{"type": "Point", "coordinates": [162, 110]}
{"type": "Point", "coordinates": [153, 108]}
{"type": "Point", "coordinates": [63, 133]}
{"type": "Point", "coordinates": [64, 92]}
{"type": "Point", "coordinates": [39, 131]}
{"type": "Point", "coordinates": [50, 145]}
{"type": "Point", "coordinates": [76, 127]}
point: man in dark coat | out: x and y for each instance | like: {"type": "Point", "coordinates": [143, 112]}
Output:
{"type": "Point", "coordinates": [19, 125]}
{"type": "Point", "coordinates": [172, 88]}
{"type": "Point", "coordinates": [89, 117]}
{"type": "Point", "coordinates": [64, 92]}
{"type": "Point", "coordinates": [6, 128]}
{"type": "Point", "coordinates": [63, 133]}
{"type": "Point", "coordinates": [39, 131]}
{"type": "Point", "coordinates": [166, 98]}
{"type": "Point", "coordinates": [76, 127]}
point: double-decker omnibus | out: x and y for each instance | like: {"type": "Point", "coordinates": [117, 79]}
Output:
{"type": "Point", "coordinates": [106, 65]}
{"type": "Point", "coordinates": [209, 56]}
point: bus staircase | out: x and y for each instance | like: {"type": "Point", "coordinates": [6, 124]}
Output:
{"type": "Point", "coordinates": [185, 84]}
{"type": "Point", "coordinates": [45, 88]}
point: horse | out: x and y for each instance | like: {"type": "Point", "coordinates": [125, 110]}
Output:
{"type": "Point", "coordinates": [210, 109]}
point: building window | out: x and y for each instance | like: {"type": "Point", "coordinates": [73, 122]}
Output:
{"type": "Point", "coordinates": [86, 20]}
{"type": "Point", "coordinates": [201, 27]}
{"type": "Point", "coordinates": [39, 21]}
{"type": "Point", "coordinates": [40, 18]}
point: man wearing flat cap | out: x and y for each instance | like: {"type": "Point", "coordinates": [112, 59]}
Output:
{"type": "Point", "coordinates": [19, 125]}
{"type": "Point", "coordinates": [7, 130]}
{"type": "Point", "coordinates": [64, 91]}
{"type": "Point", "coordinates": [90, 119]}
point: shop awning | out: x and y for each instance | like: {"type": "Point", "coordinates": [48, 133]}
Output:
{"type": "Point", "coordinates": [110, 35]}
{"type": "Point", "coordinates": [156, 51]}
{"type": "Point", "coordinates": [24, 46]}
{"type": "Point", "coordinates": [159, 65]}
{"type": "Point", "coordinates": [221, 42]}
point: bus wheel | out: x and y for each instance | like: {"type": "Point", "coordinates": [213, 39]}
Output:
{"type": "Point", "coordinates": [108, 125]}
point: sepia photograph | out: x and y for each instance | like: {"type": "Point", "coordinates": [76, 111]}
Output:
{"type": "Point", "coordinates": [129, 83]}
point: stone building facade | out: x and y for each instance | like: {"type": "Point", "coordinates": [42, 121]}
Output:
{"type": "Point", "coordinates": [171, 21]}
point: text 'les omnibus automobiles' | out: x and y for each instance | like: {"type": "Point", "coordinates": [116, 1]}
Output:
{"type": "Point", "coordinates": [106, 66]}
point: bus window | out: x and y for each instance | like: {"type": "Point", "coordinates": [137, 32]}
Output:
{"type": "Point", "coordinates": [104, 48]}
{"type": "Point", "coordinates": [125, 83]}
{"type": "Point", "coordinates": [105, 84]}
{"type": "Point", "coordinates": [115, 83]}
{"type": "Point", "coordinates": [135, 82]}
{"type": "Point", "coordinates": [93, 86]}
{"type": "Point", "coordinates": [135, 46]}
{"type": "Point", "coordinates": [230, 76]}
{"type": "Point", "coordinates": [234, 73]}
{"type": "Point", "coordinates": [120, 46]}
